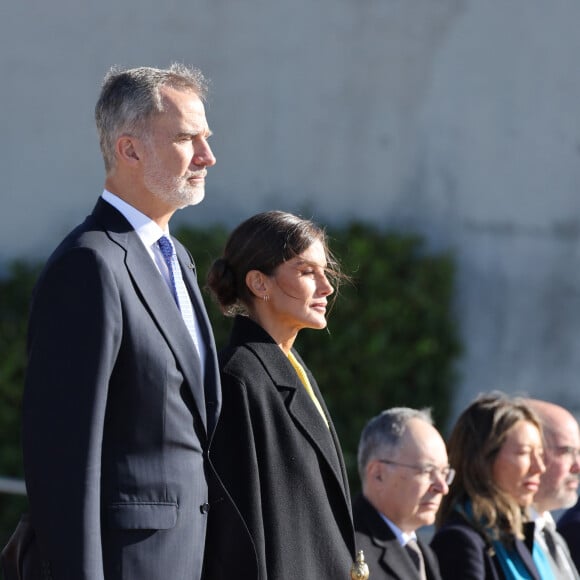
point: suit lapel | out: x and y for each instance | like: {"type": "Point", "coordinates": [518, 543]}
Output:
{"type": "Point", "coordinates": [211, 379]}
{"type": "Point", "coordinates": [396, 560]}
{"type": "Point", "coordinates": [393, 558]}
{"type": "Point", "coordinates": [156, 297]}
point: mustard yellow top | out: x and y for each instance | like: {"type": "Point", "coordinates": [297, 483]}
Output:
{"type": "Point", "coordinates": [304, 380]}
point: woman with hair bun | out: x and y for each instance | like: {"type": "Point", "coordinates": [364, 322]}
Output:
{"type": "Point", "coordinates": [275, 448]}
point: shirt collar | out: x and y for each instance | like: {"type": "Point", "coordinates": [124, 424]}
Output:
{"type": "Point", "coordinates": [541, 519]}
{"type": "Point", "coordinates": [402, 537]}
{"type": "Point", "coordinates": [147, 230]}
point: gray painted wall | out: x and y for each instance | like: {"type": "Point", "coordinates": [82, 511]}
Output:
{"type": "Point", "coordinates": [454, 118]}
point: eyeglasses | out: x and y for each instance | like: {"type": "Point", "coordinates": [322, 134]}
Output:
{"type": "Point", "coordinates": [572, 452]}
{"type": "Point", "coordinates": [428, 470]}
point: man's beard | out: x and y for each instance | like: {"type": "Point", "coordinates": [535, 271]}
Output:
{"type": "Point", "coordinates": [176, 191]}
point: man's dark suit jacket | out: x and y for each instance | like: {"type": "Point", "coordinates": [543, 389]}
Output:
{"type": "Point", "coordinates": [283, 468]}
{"type": "Point", "coordinates": [117, 418]}
{"type": "Point", "coordinates": [569, 528]}
{"type": "Point", "coordinates": [384, 555]}
{"type": "Point", "coordinates": [464, 554]}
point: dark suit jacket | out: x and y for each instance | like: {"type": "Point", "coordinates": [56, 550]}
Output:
{"type": "Point", "coordinates": [569, 527]}
{"type": "Point", "coordinates": [384, 555]}
{"type": "Point", "coordinates": [464, 554]}
{"type": "Point", "coordinates": [283, 469]}
{"type": "Point", "coordinates": [117, 418]}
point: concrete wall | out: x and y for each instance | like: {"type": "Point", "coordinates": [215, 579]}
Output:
{"type": "Point", "coordinates": [454, 118]}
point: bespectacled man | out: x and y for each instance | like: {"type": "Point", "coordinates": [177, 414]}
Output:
{"type": "Point", "coordinates": [404, 471]}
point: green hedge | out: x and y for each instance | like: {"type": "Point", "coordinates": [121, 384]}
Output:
{"type": "Point", "coordinates": [15, 291]}
{"type": "Point", "coordinates": [391, 338]}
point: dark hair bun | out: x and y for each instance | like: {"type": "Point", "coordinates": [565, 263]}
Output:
{"type": "Point", "coordinates": [222, 282]}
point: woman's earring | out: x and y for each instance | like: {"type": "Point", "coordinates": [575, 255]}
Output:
{"type": "Point", "coordinates": [265, 298]}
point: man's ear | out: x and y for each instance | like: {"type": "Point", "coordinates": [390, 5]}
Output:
{"type": "Point", "coordinates": [373, 471]}
{"type": "Point", "coordinates": [258, 283]}
{"type": "Point", "coordinates": [127, 150]}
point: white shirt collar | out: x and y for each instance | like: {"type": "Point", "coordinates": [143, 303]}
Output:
{"type": "Point", "coordinates": [401, 536]}
{"type": "Point", "coordinates": [541, 519]}
{"type": "Point", "coordinates": [147, 230]}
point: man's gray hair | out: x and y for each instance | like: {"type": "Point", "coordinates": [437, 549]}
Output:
{"type": "Point", "coordinates": [129, 98]}
{"type": "Point", "coordinates": [383, 433]}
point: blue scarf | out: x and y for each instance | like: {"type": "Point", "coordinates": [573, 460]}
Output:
{"type": "Point", "coordinates": [512, 565]}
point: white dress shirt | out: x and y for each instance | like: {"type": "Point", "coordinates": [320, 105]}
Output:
{"type": "Point", "coordinates": [149, 233]}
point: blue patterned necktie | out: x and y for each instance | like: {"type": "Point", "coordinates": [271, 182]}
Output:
{"type": "Point", "coordinates": [179, 290]}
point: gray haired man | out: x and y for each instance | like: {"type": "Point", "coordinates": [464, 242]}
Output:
{"type": "Point", "coordinates": [404, 471]}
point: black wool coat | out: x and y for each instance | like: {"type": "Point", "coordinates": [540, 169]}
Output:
{"type": "Point", "coordinates": [286, 513]}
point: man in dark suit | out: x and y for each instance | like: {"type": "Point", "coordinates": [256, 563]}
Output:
{"type": "Point", "coordinates": [122, 390]}
{"type": "Point", "coordinates": [404, 473]}
{"type": "Point", "coordinates": [558, 484]}
{"type": "Point", "coordinates": [569, 527]}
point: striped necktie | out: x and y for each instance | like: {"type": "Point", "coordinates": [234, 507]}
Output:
{"type": "Point", "coordinates": [179, 291]}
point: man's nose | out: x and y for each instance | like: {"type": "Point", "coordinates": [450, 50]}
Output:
{"type": "Point", "coordinates": [203, 155]}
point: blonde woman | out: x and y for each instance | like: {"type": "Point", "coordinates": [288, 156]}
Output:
{"type": "Point", "coordinates": [496, 450]}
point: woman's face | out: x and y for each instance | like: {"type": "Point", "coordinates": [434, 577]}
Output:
{"type": "Point", "coordinates": [299, 290]}
{"type": "Point", "coordinates": [518, 465]}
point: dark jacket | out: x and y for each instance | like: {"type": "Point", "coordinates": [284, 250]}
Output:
{"type": "Point", "coordinates": [283, 469]}
{"type": "Point", "coordinates": [464, 554]}
{"type": "Point", "coordinates": [569, 528]}
{"type": "Point", "coordinates": [117, 417]}
{"type": "Point", "coordinates": [384, 555]}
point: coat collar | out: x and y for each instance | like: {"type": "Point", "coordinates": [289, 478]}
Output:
{"type": "Point", "coordinates": [247, 333]}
